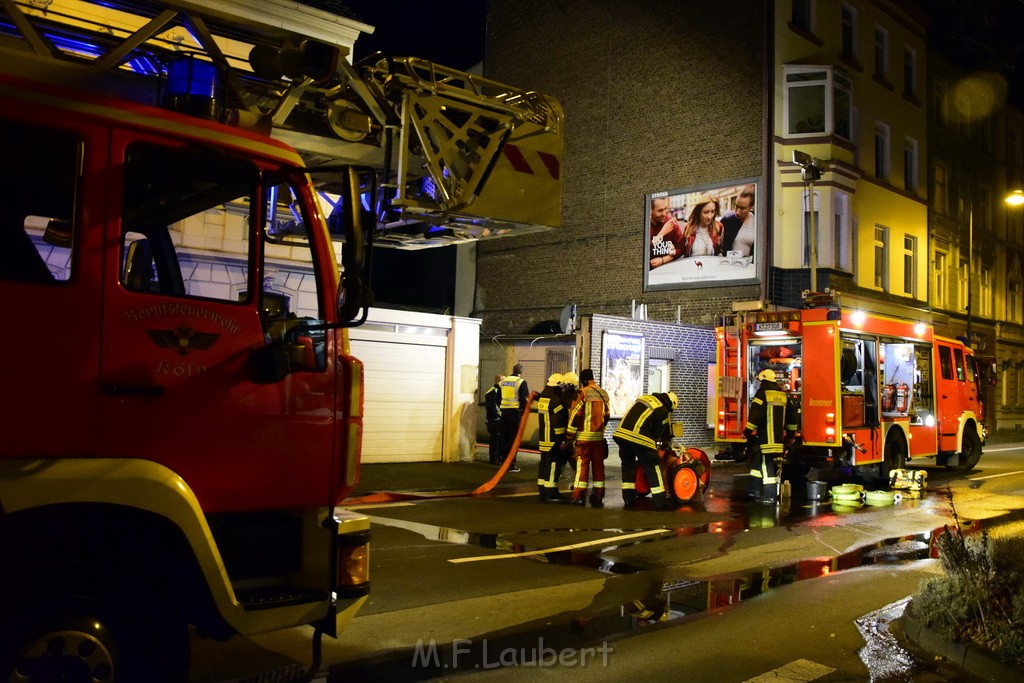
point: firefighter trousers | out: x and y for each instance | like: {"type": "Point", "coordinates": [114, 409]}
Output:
{"type": "Point", "coordinates": [632, 455]}
{"type": "Point", "coordinates": [590, 455]}
{"type": "Point", "coordinates": [764, 481]}
{"type": "Point", "coordinates": [550, 470]}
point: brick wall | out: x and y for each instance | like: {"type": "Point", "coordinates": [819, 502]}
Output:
{"type": "Point", "coordinates": [688, 347]}
{"type": "Point", "coordinates": [658, 95]}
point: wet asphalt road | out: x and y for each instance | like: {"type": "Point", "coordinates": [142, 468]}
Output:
{"type": "Point", "coordinates": [456, 574]}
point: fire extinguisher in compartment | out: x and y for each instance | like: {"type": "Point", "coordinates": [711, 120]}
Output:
{"type": "Point", "coordinates": [902, 397]}
{"type": "Point", "coordinates": [887, 398]}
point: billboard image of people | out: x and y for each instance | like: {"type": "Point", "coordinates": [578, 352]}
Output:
{"type": "Point", "coordinates": [704, 236]}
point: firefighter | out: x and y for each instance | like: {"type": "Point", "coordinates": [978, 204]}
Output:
{"type": "Point", "coordinates": [552, 418]}
{"type": "Point", "coordinates": [564, 456]}
{"type": "Point", "coordinates": [770, 421]}
{"type": "Point", "coordinates": [587, 420]}
{"type": "Point", "coordinates": [514, 393]}
{"type": "Point", "coordinates": [492, 399]}
{"type": "Point", "coordinates": [645, 424]}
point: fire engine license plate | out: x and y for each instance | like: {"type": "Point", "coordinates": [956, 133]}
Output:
{"type": "Point", "coordinates": [767, 327]}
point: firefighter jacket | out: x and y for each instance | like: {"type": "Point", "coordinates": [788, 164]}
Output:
{"type": "Point", "coordinates": [771, 414]}
{"type": "Point", "coordinates": [492, 399]}
{"type": "Point", "coordinates": [552, 418]}
{"type": "Point", "coordinates": [589, 414]}
{"type": "Point", "coordinates": [647, 421]}
{"type": "Point", "coordinates": [514, 392]}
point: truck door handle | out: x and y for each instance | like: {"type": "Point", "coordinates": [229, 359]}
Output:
{"type": "Point", "coordinates": [152, 390]}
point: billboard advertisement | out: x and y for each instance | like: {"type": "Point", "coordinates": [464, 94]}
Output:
{"type": "Point", "coordinates": [622, 370]}
{"type": "Point", "coordinates": [705, 236]}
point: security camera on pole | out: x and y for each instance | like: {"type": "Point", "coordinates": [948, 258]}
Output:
{"type": "Point", "coordinates": [811, 170]}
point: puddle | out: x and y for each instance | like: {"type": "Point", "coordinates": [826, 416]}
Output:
{"type": "Point", "coordinates": [882, 654]}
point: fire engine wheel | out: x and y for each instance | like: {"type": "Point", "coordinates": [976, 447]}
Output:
{"type": "Point", "coordinates": [79, 641]}
{"type": "Point", "coordinates": [971, 453]}
{"type": "Point", "coordinates": [895, 455]}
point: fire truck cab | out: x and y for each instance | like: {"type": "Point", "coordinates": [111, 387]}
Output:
{"type": "Point", "coordinates": [873, 391]}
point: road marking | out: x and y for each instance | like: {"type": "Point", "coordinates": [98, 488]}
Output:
{"type": "Point", "coordinates": [1000, 450]}
{"type": "Point", "coordinates": [799, 670]}
{"type": "Point", "coordinates": [993, 476]}
{"type": "Point", "coordinates": [611, 540]}
{"type": "Point", "coordinates": [370, 506]}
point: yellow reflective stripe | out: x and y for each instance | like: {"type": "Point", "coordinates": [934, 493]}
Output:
{"type": "Point", "coordinates": [629, 486]}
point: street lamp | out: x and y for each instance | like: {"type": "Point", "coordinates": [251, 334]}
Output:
{"type": "Point", "coordinates": [1015, 198]}
{"type": "Point", "coordinates": [810, 170]}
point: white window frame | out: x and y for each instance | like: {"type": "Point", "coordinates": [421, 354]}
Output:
{"type": "Point", "coordinates": [963, 284]}
{"type": "Point", "coordinates": [842, 258]}
{"type": "Point", "coordinates": [883, 147]}
{"type": "Point", "coordinates": [985, 292]}
{"type": "Point", "coordinates": [836, 87]}
{"type": "Point", "coordinates": [940, 188]}
{"type": "Point", "coordinates": [910, 72]}
{"type": "Point", "coordinates": [910, 265]}
{"type": "Point", "coordinates": [881, 66]}
{"type": "Point", "coordinates": [849, 19]}
{"type": "Point", "coordinates": [941, 293]}
{"type": "Point", "coordinates": [910, 165]}
{"type": "Point", "coordinates": [881, 255]}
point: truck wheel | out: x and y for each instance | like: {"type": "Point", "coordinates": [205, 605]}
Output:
{"type": "Point", "coordinates": [60, 643]}
{"type": "Point", "coordinates": [971, 453]}
{"type": "Point", "coordinates": [80, 641]}
{"type": "Point", "coordinates": [895, 456]}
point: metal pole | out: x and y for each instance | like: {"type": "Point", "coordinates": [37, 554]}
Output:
{"type": "Point", "coordinates": [813, 236]}
{"type": "Point", "coordinates": [970, 269]}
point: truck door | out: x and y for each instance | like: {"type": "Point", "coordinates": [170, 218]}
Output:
{"type": "Point", "coordinates": [51, 194]}
{"type": "Point", "coordinates": [948, 388]}
{"type": "Point", "coordinates": [192, 299]}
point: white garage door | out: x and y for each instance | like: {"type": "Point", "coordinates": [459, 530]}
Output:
{"type": "Point", "coordinates": [404, 400]}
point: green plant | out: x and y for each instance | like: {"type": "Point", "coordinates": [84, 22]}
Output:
{"type": "Point", "coordinates": [980, 598]}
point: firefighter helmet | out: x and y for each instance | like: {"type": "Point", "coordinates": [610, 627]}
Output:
{"type": "Point", "coordinates": [768, 375]}
{"type": "Point", "coordinates": [554, 380]}
{"type": "Point", "coordinates": [673, 399]}
{"type": "Point", "coordinates": [571, 378]}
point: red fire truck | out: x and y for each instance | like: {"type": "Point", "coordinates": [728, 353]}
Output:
{"type": "Point", "coordinates": [873, 391]}
{"type": "Point", "coordinates": [182, 411]}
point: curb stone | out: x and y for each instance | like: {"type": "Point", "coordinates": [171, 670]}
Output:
{"type": "Point", "coordinates": [966, 656]}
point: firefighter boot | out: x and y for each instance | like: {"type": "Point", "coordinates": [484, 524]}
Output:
{"type": "Point", "coordinates": [596, 502]}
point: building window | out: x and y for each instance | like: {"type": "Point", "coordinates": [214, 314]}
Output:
{"type": "Point", "coordinates": [882, 164]}
{"type": "Point", "coordinates": [985, 290]}
{"type": "Point", "coordinates": [659, 371]}
{"type": "Point", "coordinates": [843, 234]}
{"type": "Point", "coordinates": [940, 191]}
{"type": "Point", "coordinates": [982, 220]}
{"type": "Point", "coordinates": [881, 257]}
{"type": "Point", "coordinates": [962, 204]}
{"type": "Point", "coordinates": [881, 53]}
{"type": "Point", "coordinates": [910, 165]}
{"type": "Point", "coordinates": [910, 72]}
{"type": "Point", "coordinates": [940, 297]}
{"type": "Point", "coordinates": [939, 104]}
{"type": "Point", "coordinates": [963, 286]}
{"type": "Point", "coordinates": [910, 265]}
{"type": "Point", "coordinates": [962, 111]}
{"type": "Point", "coordinates": [817, 101]}
{"type": "Point", "coordinates": [1013, 299]}
{"type": "Point", "coordinates": [801, 16]}
{"type": "Point", "coordinates": [849, 33]}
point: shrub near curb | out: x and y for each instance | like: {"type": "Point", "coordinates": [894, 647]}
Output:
{"type": "Point", "coordinates": [980, 599]}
